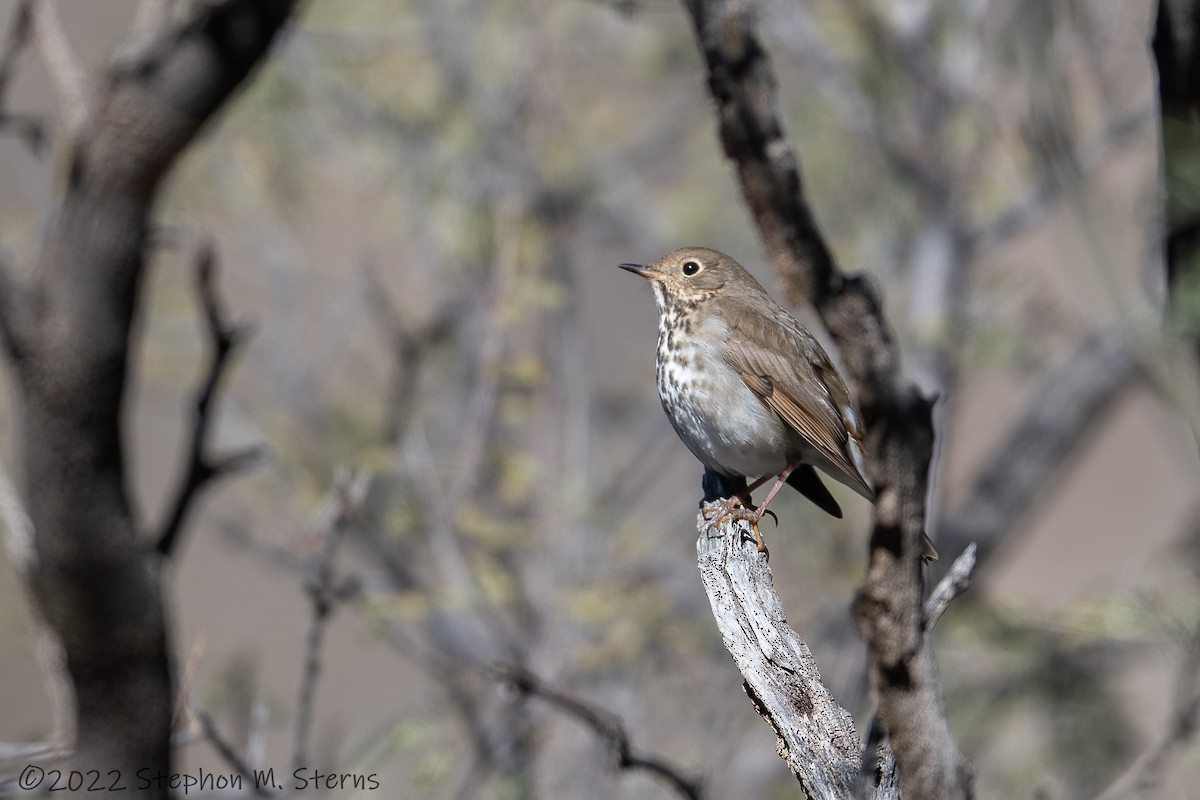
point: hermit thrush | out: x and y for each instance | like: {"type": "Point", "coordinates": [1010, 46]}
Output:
{"type": "Point", "coordinates": [747, 388]}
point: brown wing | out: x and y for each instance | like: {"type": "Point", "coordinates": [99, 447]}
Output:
{"type": "Point", "coordinates": [783, 364]}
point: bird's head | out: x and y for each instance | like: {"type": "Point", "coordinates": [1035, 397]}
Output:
{"type": "Point", "coordinates": [690, 275]}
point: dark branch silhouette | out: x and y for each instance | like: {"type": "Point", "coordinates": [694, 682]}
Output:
{"type": "Point", "coordinates": [605, 724]}
{"type": "Point", "coordinates": [202, 468]}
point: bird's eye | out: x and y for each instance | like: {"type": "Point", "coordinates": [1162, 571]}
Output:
{"type": "Point", "coordinates": [691, 268]}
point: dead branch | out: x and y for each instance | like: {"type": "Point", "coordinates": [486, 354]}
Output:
{"type": "Point", "coordinates": [817, 738]}
{"type": "Point", "coordinates": [956, 581]}
{"type": "Point", "coordinates": [325, 591]}
{"type": "Point", "coordinates": [888, 609]}
{"type": "Point", "coordinates": [228, 752]}
{"type": "Point", "coordinates": [605, 724]}
{"type": "Point", "coordinates": [203, 468]}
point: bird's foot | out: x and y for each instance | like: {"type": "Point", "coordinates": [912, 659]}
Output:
{"type": "Point", "coordinates": [734, 508]}
{"type": "Point", "coordinates": [737, 509]}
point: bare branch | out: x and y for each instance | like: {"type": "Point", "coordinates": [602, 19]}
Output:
{"type": "Point", "coordinates": [227, 751]}
{"type": "Point", "coordinates": [607, 725]}
{"type": "Point", "coordinates": [325, 591]}
{"type": "Point", "coordinates": [202, 468]}
{"type": "Point", "coordinates": [207, 726]}
{"type": "Point", "coordinates": [956, 581]}
{"type": "Point", "coordinates": [62, 63]}
{"type": "Point", "coordinates": [817, 738]}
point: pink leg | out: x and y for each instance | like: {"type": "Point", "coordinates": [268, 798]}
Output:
{"type": "Point", "coordinates": [783, 476]}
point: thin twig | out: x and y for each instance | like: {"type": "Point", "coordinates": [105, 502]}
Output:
{"type": "Point", "coordinates": [606, 724]}
{"type": "Point", "coordinates": [227, 751]}
{"type": "Point", "coordinates": [325, 592]}
{"type": "Point", "coordinates": [202, 467]}
{"type": "Point", "coordinates": [956, 581]}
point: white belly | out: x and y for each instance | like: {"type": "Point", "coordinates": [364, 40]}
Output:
{"type": "Point", "coordinates": [721, 421]}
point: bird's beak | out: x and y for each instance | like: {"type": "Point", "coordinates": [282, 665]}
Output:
{"type": "Point", "coordinates": [638, 269]}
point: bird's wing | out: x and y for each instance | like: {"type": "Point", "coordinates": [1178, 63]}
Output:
{"type": "Point", "coordinates": [802, 387]}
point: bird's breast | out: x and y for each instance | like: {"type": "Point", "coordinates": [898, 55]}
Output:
{"type": "Point", "coordinates": [721, 421]}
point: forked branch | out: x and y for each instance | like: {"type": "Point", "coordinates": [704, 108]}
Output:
{"type": "Point", "coordinates": [202, 467]}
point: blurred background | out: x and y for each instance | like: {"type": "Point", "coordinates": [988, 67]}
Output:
{"type": "Point", "coordinates": [419, 207]}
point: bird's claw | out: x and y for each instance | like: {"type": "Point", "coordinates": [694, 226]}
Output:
{"type": "Point", "coordinates": [758, 540]}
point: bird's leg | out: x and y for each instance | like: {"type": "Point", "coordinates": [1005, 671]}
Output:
{"type": "Point", "coordinates": [783, 476]}
{"type": "Point", "coordinates": [762, 509]}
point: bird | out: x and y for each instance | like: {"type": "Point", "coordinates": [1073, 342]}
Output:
{"type": "Point", "coordinates": [748, 389]}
